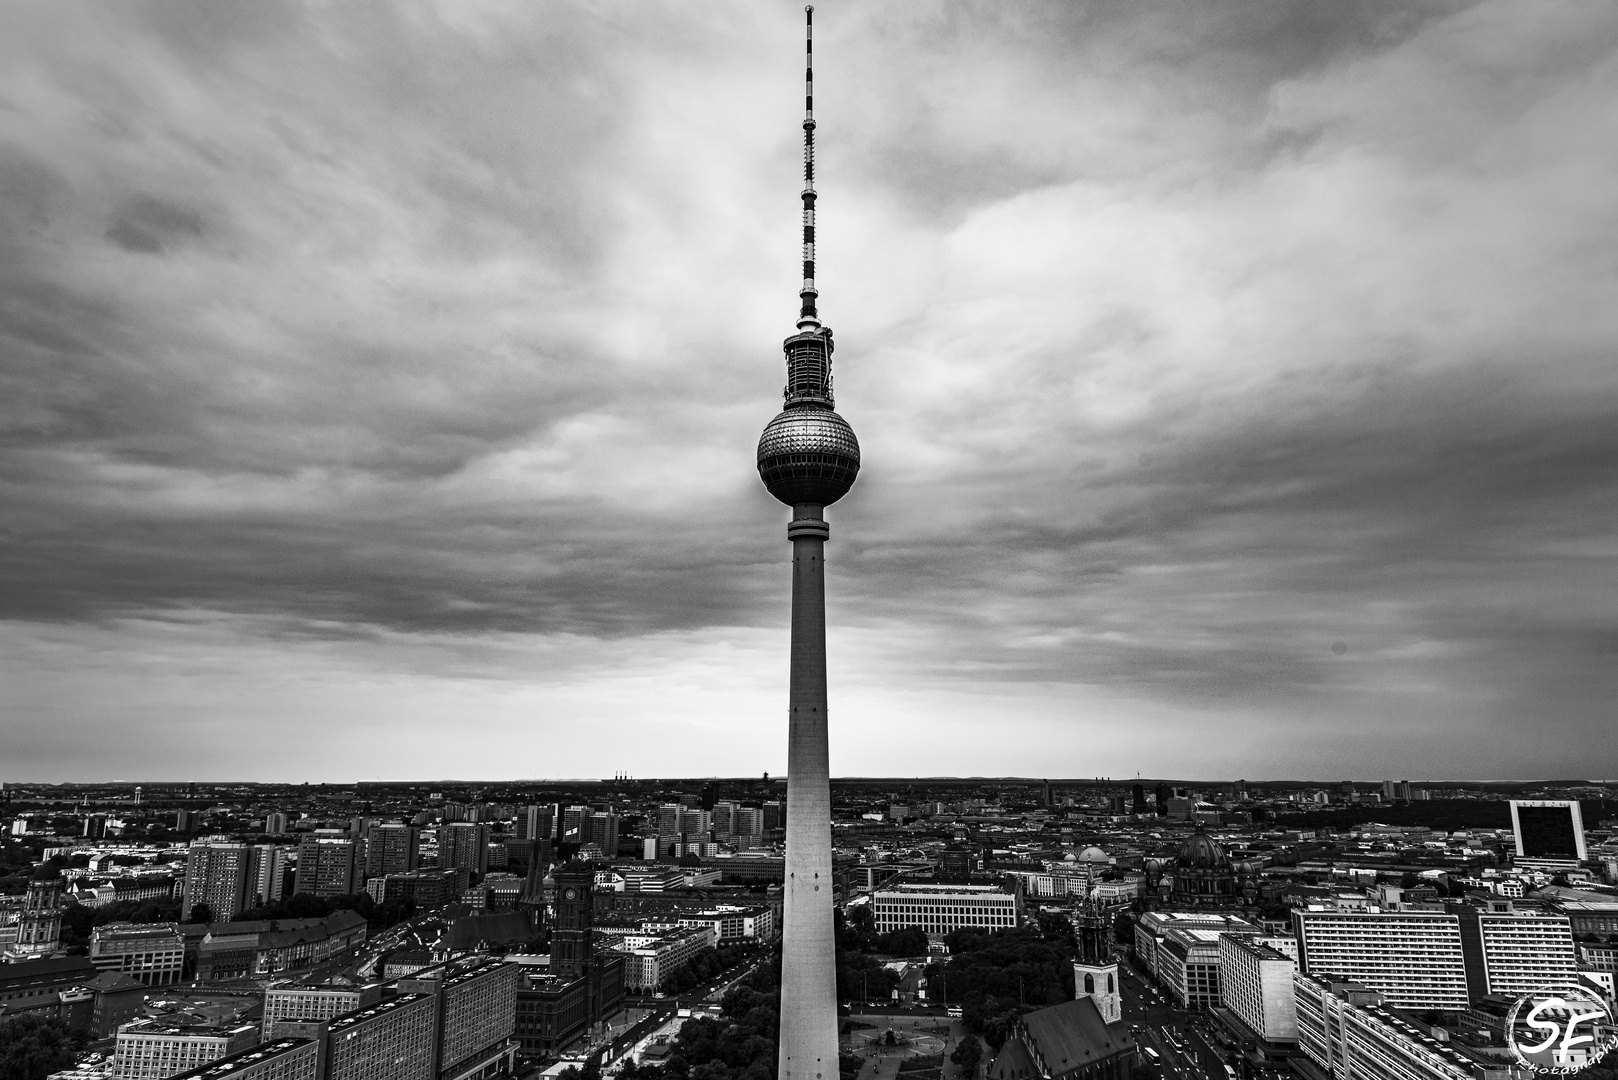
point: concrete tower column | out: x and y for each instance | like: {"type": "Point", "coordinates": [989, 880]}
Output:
{"type": "Point", "coordinates": [808, 458]}
{"type": "Point", "coordinates": [809, 957]}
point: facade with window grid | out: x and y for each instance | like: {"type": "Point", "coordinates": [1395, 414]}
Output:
{"type": "Point", "coordinates": [391, 1040]}
{"type": "Point", "coordinates": [1513, 952]}
{"type": "Point", "coordinates": [1412, 958]}
{"type": "Point", "coordinates": [152, 1050]}
{"type": "Point", "coordinates": [1255, 980]}
{"type": "Point", "coordinates": [1345, 1033]}
{"type": "Point", "coordinates": [940, 909]}
{"type": "Point", "coordinates": [279, 1059]}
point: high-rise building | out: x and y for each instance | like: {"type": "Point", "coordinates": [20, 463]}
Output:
{"type": "Point", "coordinates": [392, 1039]}
{"type": "Point", "coordinates": [476, 1015]}
{"type": "Point", "coordinates": [808, 458]}
{"type": "Point", "coordinates": [391, 849]}
{"type": "Point", "coordinates": [275, 824]}
{"type": "Point", "coordinates": [537, 822]}
{"type": "Point", "coordinates": [600, 828]}
{"type": "Point", "coordinates": [464, 845]}
{"type": "Point", "coordinates": [216, 874]}
{"type": "Point", "coordinates": [1412, 958]}
{"type": "Point", "coordinates": [1346, 1033]}
{"type": "Point", "coordinates": [1548, 831]}
{"type": "Point", "coordinates": [330, 866]}
{"type": "Point", "coordinates": [268, 867]}
{"type": "Point", "coordinates": [1512, 952]}
{"type": "Point", "coordinates": [1255, 980]}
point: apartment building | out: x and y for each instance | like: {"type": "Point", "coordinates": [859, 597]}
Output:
{"type": "Point", "coordinates": [1344, 1031]}
{"type": "Point", "coordinates": [1413, 959]}
{"type": "Point", "coordinates": [1255, 978]}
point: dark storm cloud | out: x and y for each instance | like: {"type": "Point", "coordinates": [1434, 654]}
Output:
{"type": "Point", "coordinates": [1249, 363]}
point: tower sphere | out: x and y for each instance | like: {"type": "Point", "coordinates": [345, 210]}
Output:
{"type": "Point", "coordinates": [808, 454]}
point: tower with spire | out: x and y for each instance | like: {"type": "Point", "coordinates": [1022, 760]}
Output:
{"type": "Point", "coordinates": [1095, 967]}
{"type": "Point", "coordinates": [808, 459]}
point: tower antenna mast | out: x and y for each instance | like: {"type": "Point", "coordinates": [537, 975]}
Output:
{"type": "Point", "coordinates": [808, 317]}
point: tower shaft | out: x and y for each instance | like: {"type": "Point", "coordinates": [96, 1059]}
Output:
{"type": "Point", "coordinates": [808, 947]}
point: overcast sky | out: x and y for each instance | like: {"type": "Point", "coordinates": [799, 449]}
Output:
{"type": "Point", "coordinates": [379, 387]}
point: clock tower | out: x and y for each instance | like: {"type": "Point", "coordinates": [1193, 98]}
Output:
{"type": "Point", "coordinates": [571, 947]}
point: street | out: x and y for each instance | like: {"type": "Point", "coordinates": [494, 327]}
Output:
{"type": "Point", "coordinates": [1175, 1036]}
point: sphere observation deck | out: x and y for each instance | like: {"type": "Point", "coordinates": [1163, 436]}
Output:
{"type": "Point", "coordinates": [808, 454]}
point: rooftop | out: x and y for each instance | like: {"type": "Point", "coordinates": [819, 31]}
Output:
{"type": "Point", "coordinates": [229, 1066]}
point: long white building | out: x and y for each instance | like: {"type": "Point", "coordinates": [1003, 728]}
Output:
{"type": "Point", "coordinates": [1344, 1031]}
{"type": "Point", "coordinates": [1412, 958]}
{"type": "Point", "coordinates": [940, 909]}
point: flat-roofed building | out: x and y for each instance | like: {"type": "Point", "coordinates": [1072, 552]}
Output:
{"type": "Point", "coordinates": [1412, 958]}
{"type": "Point", "coordinates": [330, 866]}
{"type": "Point", "coordinates": [154, 953]}
{"type": "Point", "coordinates": [1151, 927]}
{"type": "Point", "coordinates": [298, 1003]}
{"type": "Point", "coordinates": [650, 957]}
{"type": "Point", "coordinates": [1549, 832]}
{"type": "Point", "coordinates": [941, 909]}
{"type": "Point", "coordinates": [1344, 1031]}
{"type": "Point", "coordinates": [1188, 965]}
{"type": "Point", "coordinates": [1511, 951]}
{"type": "Point", "coordinates": [280, 1059]}
{"type": "Point", "coordinates": [477, 1015]}
{"type": "Point", "coordinates": [732, 924]}
{"type": "Point", "coordinates": [391, 849]}
{"type": "Point", "coordinates": [216, 874]}
{"type": "Point", "coordinates": [150, 1049]}
{"type": "Point", "coordinates": [392, 1039]}
{"type": "Point", "coordinates": [1255, 979]}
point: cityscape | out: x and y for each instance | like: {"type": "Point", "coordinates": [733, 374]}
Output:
{"type": "Point", "coordinates": [1203, 669]}
{"type": "Point", "coordinates": [633, 927]}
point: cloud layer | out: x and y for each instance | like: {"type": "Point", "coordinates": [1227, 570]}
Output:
{"type": "Point", "coordinates": [1236, 387]}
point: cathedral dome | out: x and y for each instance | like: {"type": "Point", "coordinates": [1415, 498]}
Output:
{"type": "Point", "coordinates": [1203, 852]}
{"type": "Point", "coordinates": [808, 455]}
{"type": "Point", "coordinates": [1093, 855]}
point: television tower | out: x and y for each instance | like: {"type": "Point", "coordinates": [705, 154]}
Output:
{"type": "Point", "coordinates": [808, 458]}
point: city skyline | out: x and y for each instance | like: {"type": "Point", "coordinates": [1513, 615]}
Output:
{"type": "Point", "coordinates": [385, 383]}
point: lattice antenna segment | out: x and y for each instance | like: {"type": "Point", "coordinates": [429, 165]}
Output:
{"type": "Point", "coordinates": [808, 317]}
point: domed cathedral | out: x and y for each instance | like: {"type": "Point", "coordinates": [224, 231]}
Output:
{"type": "Point", "coordinates": [1205, 876]}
